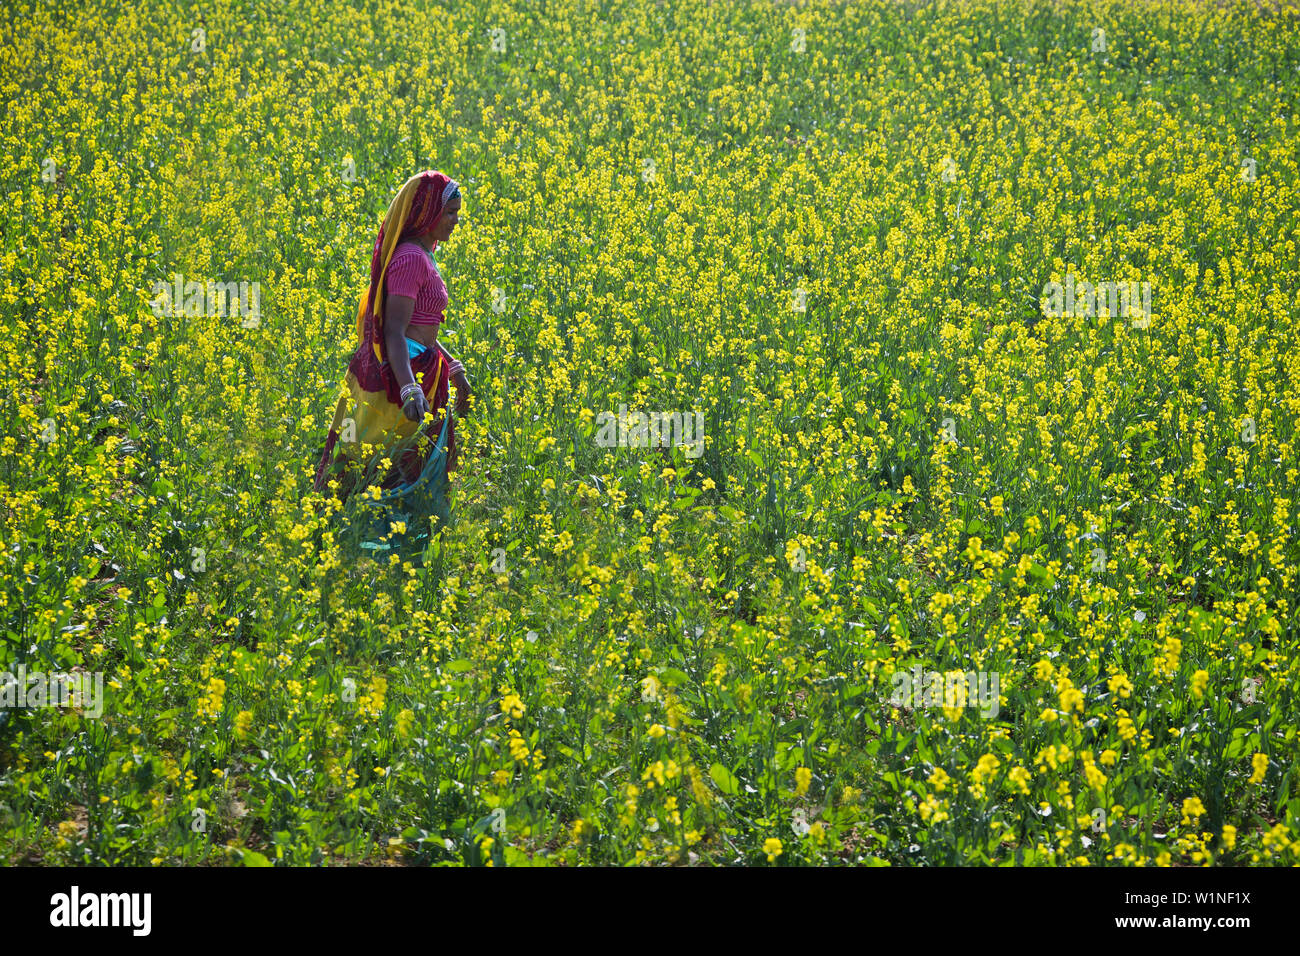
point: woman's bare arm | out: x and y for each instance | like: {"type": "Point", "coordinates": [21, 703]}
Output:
{"type": "Point", "coordinates": [397, 316]}
{"type": "Point", "coordinates": [459, 380]}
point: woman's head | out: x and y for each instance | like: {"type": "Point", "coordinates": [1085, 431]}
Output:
{"type": "Point", "coordinates": [434, 205]}
{"type": "Point", "coordinates": [447, 222]}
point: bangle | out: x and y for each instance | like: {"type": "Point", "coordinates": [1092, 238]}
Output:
{"type": "Point", "coordinates": [409, 390]}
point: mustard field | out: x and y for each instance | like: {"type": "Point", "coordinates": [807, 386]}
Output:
{"type": "Point", "coordinates": [882, 449]}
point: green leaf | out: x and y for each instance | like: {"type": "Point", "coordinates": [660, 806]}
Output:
{"type": "Point", "coordinates": [1237, 745]}
{"type": "Point", "coordinates": [517, 857]}
{"type": "Point", "coordinates": [671, 676]}
{"type": "Point", "coordinates": [725, 780]}
{"type": "Point", "coordinates": [252, 858]}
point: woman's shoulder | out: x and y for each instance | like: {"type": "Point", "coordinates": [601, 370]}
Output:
{"type": "Point", "coordinates": [408, 250]}
{"type": "Point", "coordinates": [409, 270]}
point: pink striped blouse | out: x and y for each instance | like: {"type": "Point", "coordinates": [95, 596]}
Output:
{"type": "Point", "coordinates": [411, 272]}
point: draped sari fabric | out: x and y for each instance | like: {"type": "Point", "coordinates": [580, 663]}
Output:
{"type": "Point", "coordinates": [370, 390]}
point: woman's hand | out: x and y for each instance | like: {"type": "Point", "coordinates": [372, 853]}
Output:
{"type": "Point", "coordinates": [416, 407]}
{"type": "Point", "coordinates": [463, 392]}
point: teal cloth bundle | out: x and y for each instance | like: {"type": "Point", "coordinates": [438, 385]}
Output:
{"type": "Point", "coordinates": [412, 505]}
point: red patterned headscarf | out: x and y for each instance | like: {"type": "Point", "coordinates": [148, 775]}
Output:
{"type": "Point", "coordinates": [413, 212]}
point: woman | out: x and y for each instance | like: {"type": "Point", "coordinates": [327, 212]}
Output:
{"type": "Point", "coordinates": [400, 372]}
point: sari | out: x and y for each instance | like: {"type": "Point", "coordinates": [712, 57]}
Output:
{"type": "Point", "coordinates": [370, 391]}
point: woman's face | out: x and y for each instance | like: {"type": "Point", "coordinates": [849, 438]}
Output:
{"type": "Point", "coordinates": [447, 222]}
